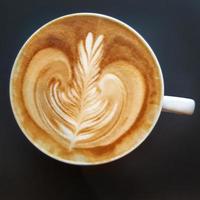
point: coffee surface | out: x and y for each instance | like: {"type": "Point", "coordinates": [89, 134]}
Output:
{"type": "Point", "coordinates": [85, 89]}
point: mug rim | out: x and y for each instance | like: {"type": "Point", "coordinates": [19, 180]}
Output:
{"type": "Point", "coordinates": [80, 163]}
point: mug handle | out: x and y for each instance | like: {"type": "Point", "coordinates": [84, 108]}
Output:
{"type": "Point", "coordinates": [178, 105]}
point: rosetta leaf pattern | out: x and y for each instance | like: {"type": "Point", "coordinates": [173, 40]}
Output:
{"type": "Point", "coordinates": [85, 105]}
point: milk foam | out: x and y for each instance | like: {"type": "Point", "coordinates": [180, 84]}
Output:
{"type": "Point", "coordinates": [83, 104]}
{"type": "Point", "coordinates": [85, 89]}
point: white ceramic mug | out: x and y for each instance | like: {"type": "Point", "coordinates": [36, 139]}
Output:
{"type": "Point", "coordinates": [177, 105]}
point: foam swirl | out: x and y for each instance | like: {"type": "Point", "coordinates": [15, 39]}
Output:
{"type": "Point", "coordinates": [83, 105]}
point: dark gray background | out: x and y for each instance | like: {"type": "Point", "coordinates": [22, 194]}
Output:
{"type": "Point", "coordinates": [166, 166]}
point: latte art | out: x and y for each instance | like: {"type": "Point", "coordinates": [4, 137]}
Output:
{"type": "Point", "coordinates": [79, 103]}
{"type": "Point", "coordinates": [85, 89]}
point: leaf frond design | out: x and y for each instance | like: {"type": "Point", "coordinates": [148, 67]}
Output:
{"type": "Point", "coordinates": [83, 96]}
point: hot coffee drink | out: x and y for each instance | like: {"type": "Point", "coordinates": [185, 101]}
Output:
{"type": "Point", "coordinates": [86, 89]}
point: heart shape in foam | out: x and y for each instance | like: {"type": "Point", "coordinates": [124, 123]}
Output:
{"type": "Point", "coordinates": [82, 105]}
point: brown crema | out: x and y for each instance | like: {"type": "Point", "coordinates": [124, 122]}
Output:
{"type": "Point", "coordinates": [85, 89]}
